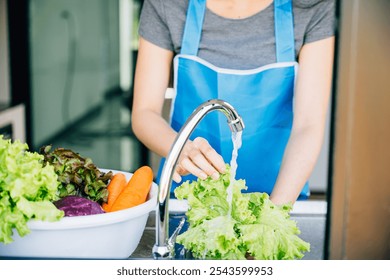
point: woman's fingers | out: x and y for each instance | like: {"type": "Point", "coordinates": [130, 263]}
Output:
{"type": "Point", "coordinates": [201, 160]}
{"type": "Point", "coordinates": [176, 177]}
{"type": "Point", "coordinates": [210, 154]}
{"type": "Point", "coordinates": [189, 165]}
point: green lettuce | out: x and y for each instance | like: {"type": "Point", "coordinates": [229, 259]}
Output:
{"type": "Point", "coordinates": [27, 189]}
{"type": "Point", "coordinates": [78, 175]}
{"type": "Point", "coordinates": [253, 227]}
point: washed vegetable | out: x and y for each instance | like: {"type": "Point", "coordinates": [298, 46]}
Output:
{"type": "Point", "coordinates": [115, 187]}
{"type": "Point", "coordinates": [136, 190]}
{"type": "Point", "coordinates": [255, 228]}
{"type": "Point", "coordinates": [77, 175]}
{"type": "Point", "coordinates": [26, 189]}
{"type": "Point", "coordinates": [78, 206]}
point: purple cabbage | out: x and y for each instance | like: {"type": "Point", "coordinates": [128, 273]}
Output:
{"type": "Point", "coordinates": [73, 205]}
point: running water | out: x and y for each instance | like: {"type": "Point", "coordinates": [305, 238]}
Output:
{"type": "Point", "coordinates": [236, 138]}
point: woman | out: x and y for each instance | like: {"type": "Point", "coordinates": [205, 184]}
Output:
{"type": "Point", "coordinates": [244, 52]}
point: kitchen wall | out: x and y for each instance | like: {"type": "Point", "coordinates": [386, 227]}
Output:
{"type": "Point", "coordinates": [74, 50]}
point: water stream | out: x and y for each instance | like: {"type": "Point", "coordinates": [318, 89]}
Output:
{"type": "Point", "coordinates": [236, 138]}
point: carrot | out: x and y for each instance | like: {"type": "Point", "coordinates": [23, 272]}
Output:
{"type": "Point", "coordinates": [136, 190]}
{"type": "Point", "coordinates": [117, 184]}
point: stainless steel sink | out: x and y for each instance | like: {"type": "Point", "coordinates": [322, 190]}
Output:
{"type": "Point", "coordinates": [310, 216]}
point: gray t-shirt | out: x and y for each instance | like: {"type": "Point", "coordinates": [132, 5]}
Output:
{"type": "Point", "coordinates": [235, 43]}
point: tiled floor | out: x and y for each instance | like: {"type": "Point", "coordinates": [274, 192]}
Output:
{"type": "Point", "coordinates": [106, 137]}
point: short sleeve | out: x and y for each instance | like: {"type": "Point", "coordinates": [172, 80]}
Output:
{"type": "Point", "coordinates": [153, 26]}
{"type": "Point", "coordinates": [323, 22]}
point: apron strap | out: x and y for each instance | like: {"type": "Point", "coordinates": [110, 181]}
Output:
{"type": "Point", "coordinates": [193, 27]}
{"type": "Point", "coordinates": [284, 31]}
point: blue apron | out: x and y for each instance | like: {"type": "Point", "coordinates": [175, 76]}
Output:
{"type": "Point", "coordinates": [262, 96]}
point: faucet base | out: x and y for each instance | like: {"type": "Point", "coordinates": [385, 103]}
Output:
{"type": "Point", "coordinates": [162, 252]}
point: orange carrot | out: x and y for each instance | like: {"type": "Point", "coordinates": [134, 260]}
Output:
{"type": "Point", "coordinates": [115, 187]}
{"type": "Point", "coordinates": [136, 190]}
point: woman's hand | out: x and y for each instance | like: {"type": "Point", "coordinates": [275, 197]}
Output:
{"type": "Point", "coordinates": [199, 159]}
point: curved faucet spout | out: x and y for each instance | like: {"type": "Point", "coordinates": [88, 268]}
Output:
{"type": "Point", "coordinates": [164, 249]}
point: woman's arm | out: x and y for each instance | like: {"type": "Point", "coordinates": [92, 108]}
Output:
{"type": "Point", "coordinates": [310, 108]}
{"type": "Point", "coordinates": [151, 81]}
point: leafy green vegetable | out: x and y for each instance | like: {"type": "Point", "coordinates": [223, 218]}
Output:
{"type": "Point", "coordinates": [26, 189]}
{"type": "Point", "coordinates": [256, 226]}
{"type": "Point", "coordinates": [78, 176]}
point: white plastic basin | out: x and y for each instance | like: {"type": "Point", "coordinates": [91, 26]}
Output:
{"type": "Point", "coordinates": [112, 235]}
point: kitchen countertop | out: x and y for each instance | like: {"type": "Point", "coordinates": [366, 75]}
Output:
{"type": "Point", "coordinates": [310, 217]}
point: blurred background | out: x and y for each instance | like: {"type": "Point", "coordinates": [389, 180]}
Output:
{"type": "Point", "coordinates": [71, 65]}
{"type": "Point", "coordinates": [66, 79]}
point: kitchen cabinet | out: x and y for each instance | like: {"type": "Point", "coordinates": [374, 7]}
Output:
{"type": "Point", "coordinates": [359, 224]}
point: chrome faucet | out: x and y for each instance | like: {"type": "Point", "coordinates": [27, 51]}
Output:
{"type": "Point", "coordinates": [164, 247]}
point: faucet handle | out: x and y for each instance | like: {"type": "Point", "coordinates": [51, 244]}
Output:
{"type": "Point", "coordinates": [172, 239]}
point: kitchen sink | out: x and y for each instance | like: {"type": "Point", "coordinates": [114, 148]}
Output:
{"type": "Point", "coordinates": [310, 216]}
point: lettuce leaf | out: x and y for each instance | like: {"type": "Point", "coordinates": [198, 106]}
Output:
{"type": "Point", "coordinates": [78, 175]}
{"type": "Point", "coordinates": [27, 189]}
{"type": "Point", "coordinates": [256, 226]}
